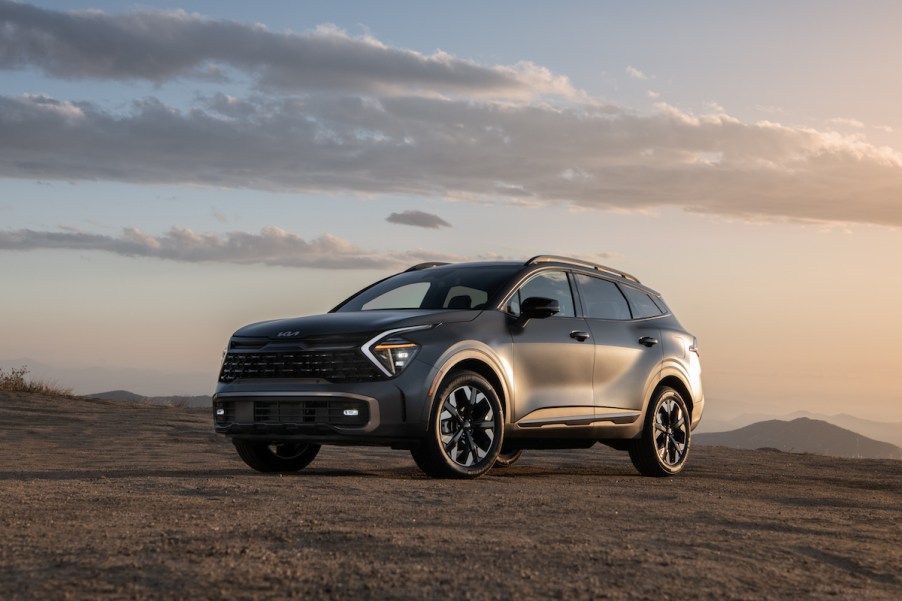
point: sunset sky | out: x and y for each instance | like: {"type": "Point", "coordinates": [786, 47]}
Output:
{"type": "Point", "coordinates": [170, 172]}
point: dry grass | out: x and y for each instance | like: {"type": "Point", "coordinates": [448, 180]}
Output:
{"type": "Point", "coordinates": [15, 380]}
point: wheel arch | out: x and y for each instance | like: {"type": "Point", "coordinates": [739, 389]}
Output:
{"type": "Point", "coordinates": [484, 370]}
{"type": "Point", "coordinates": [477, 361]}
{"type": "Point", "coordinates": [677, 384]}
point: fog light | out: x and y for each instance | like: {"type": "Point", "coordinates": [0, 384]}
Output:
{"type": "Point", "coordinates": [351, 412]}
{"type": "Point", "coordinates": [220, 412]}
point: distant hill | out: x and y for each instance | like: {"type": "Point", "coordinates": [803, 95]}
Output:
{"type": "Point", "coordinates": [175, 400]}
{"type": "Point", "coordinates": [884, 431]}
{"type": "Point", "coordinates": [802, 435]}
{"type": "Point", "coordinates": [87, 378]}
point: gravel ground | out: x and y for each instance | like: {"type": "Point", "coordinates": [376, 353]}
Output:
{"type": "Point", "coordinates": [101, 499]}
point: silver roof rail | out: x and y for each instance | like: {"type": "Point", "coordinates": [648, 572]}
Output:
{"type": "Point", "coordinates": [590, 265]}
{"type": "Point", "coordinates": [420, 266]}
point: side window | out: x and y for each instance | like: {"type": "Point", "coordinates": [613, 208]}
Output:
{"type": "Point", "coordinates": [602, 299]}
{"type": "Point", "coordinates": [548, 284]}
{"type": "Point", "coordinates": [640, 303]}
{"type": "Point", "coordinates": [406, 297]}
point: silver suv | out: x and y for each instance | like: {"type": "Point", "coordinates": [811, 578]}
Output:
{"type": "Point", "coordinates": [466, 365]}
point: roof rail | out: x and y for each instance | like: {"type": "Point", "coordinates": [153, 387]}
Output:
{"type": "Point", "coordinates": [590, 265]}
{"type": "Point", "coordinates": [420, 266]}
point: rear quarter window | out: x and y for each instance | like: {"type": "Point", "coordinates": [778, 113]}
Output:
{"type": "Point", "coordinates": [641, 304]}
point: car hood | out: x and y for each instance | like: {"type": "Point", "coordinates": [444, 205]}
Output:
{"type": "Point", "coordinates": [349, 324]}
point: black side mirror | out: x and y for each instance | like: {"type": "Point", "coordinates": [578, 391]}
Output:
{"type": "Point", "coordinates": [536, 307]}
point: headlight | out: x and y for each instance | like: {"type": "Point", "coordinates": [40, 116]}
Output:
{"type": "Point", "coordinates": [391, 353]}
{"type": "Point", "coordinates": [394, 355]}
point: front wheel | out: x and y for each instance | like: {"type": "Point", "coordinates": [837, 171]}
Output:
{"type": "Point", "coordinates": [276, 457]}
{"type": "Point", "coordinates": [466, 428]}
{"type": "Point", "coordinates": [664, 445]}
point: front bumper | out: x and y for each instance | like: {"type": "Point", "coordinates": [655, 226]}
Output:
{"type": "Point", "coordinates": [381, 412]}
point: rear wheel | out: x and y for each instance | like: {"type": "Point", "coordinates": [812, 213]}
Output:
{"type": "Point", "coordinates": [664, 445]}
{"type": "Point", "coordinates": [276, 457]}
{"type": "Point", "coordinates": [508, 457]}
{"type": "Point", "coordinates": [465, 429]}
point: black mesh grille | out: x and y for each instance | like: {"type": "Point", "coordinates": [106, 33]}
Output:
{"type": "Point", "coordinates": [343, 365]}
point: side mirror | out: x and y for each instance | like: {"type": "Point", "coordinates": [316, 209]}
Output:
{"type": "Point", "coordinates": [536, 307]}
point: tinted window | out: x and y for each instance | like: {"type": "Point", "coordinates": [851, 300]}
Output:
{"type": "Point", "coordinates": [661, 304]}
{"type": "Point", "coordinates": [435, 288]}
{"type": "Point", "coordinates": [548, 284]}
{"type": "Point", "coordinates": [640, 303]}
{"type": "Point", "coordinates": [602, 299]}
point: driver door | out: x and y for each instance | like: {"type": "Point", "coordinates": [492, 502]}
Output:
{"type": "Point", "coordinates": [552, 359]}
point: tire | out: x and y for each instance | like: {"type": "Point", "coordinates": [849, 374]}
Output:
{"type": "Point", "coordinates": [507, 458]}
{"type": "Point", "coordinates": [466, 429]}
{"type": "Point", "coordinates": [664, 446]}
{"type": "Point", "coordinates": [276, 457]}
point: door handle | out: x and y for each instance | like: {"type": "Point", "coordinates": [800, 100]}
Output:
{"type": "Point", "coordinates": [648, 341]}
{"type": "Point", "coordinates": [578, 335]}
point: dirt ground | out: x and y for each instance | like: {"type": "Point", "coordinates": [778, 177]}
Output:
{"type": "Point", "coordinates": [102, 499]}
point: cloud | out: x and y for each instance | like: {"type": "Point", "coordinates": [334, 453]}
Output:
{"type": "Point", "coordinates": [334, 113]}
{"type": "Point", "coordinates": [635, 73]}
{"type": "Point", "coordinates": [531, 154]}
{"type": "Point", "coordinates": [418, 219]}
{"type": "Point", "coordinates": [272, 246]}
{"type": "Point", "coordinates": [158, 46]}
{"type": "Point", "coordinates": [847, 122]}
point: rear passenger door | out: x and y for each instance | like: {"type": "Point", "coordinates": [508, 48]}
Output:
{"type": "Point", "coordinates": [626, 342]}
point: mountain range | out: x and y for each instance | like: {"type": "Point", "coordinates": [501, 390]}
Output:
{"type": "Point", "coordinates": [802, 435]}
{"type": "Point", "coordinates": [173, 400]}
{"type": "Point", "coordinates": [888, 431]}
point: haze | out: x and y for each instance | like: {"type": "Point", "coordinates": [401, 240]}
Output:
{"type": "Point", "coordinates": [167, 176]}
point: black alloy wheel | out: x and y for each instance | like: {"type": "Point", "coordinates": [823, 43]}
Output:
{"type": "Point", "coordinates": [664, 446]}
{"type": "Point", "coordinates": [465, 430]}
{"type": "Point", "coordinates": [508, 457]}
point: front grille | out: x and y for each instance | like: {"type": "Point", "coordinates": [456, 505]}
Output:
{"type": "Point", "coordinates": [342, 366]}
{"type": "Point", "coordinates": [296, 411]}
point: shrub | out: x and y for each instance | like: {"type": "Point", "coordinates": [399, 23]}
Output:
{"type": "Point", "coordinates": [14, 380]}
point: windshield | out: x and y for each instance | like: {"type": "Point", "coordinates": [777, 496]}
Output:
{"type": "Point", "coordinates": [435, 288]}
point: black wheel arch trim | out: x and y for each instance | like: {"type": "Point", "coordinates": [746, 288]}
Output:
{"type": "Point", "coordinates": [472, 356]}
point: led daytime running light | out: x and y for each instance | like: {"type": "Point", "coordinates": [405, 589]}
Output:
{"type": "Point", "coordinates": [395, 356]}
{"type": "Point", "coordinates": [390, 353]}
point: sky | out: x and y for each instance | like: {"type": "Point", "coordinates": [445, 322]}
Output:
{"type": "Point", "coordinates": [171, 172]}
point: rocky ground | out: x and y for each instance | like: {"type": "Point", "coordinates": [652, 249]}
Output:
{"type": "Point", "coordinates": [104, 499]}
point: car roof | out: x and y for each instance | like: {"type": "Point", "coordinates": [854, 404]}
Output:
{"type": "Point", "coordinates": [543, 260]}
